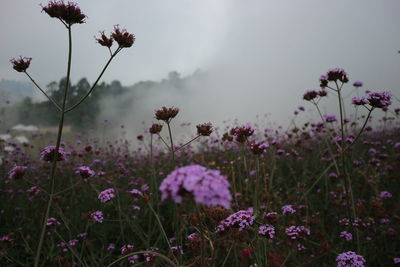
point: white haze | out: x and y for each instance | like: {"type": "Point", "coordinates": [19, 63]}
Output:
{"type": "Point", "coordinates": [260, 56]}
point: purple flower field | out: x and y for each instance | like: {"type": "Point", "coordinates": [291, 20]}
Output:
{"type": "Point", "coordinates": [322, 192]}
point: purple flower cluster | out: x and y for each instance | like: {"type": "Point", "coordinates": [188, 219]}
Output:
{"type": "Point", "coordinates": [48, 152]}
{"type": "Point", "coordinates": [330, 118]}
{"type": "Point", "coordinates": [106, 195]}
{"type": "Point", "coordinates": [267, 230]}
{"type": "Point", "coordinates": [97, 216]}
{"type": "Point", "coordinates": [297, 232]}
{"type": "Point", "coordinates": [52, 222]}
{"type": "Point", "coordinates": [350, 259]}
{"type": "Point", "coordinates": [333, 75]}
{"type": "Point", "coordinates": [288, 209]}
{"type": "Point", "coordinates": [312, 94]}
{"type": "Point", "coordinates": [17, 172]}
{"type": "Point", "coordinates": [346, 235]}
{"type": "Point", "coordinates": [240, 219]}
{"type": "Point", "coordinates": [379, 99]}
{"type": "Point", "coordinates": [358, 84]}
{"type": "Point", "coordinates": [359, 101]}
{"type": "Point", "coordinates": [242, 132]}
{"type": "Point", "coordinates": [208, 187]}
{"type": "Point", "coordinates": [85, 172]}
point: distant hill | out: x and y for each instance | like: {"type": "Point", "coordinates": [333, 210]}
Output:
{"type": "Point", "coordinates": [15, 91]}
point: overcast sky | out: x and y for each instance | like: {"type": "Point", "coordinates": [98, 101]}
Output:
{"type": "Point", "coordinates": [262, 54]}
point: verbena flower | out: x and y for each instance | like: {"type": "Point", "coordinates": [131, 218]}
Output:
{"type": "Point", "coordinates": [379, 99]}
{"type": "Point", "coordinates": [242, 133]}
{"type": "Point", "coordinates": [346, 235]}
{"type": "Point", "coordinates": [155, 128]}
{"type": "Point", "coordinates": [106, 195]}
{"type": "Point", "coordinates": [288, 209]}
{"type": "Point", "coordinates": [104, 40]}
{"type": "Point", "coordinates": [267, 230]}
{"type": "Point", "coordinates": [166, 114]}
{"type": "Point", "coordinates": [359, 101]}
{"type": "Point", "coordinates": [297, 232]}
{"type": "Point", "coordinates": [21, 64]}
{"type": "Point", "coordinates": [358, 84]}
{"type": "Point", "coordinates": [350, 259]}
{"type": "Point", "coordinates": [69, 13]}
{"type": "Point", "coordinates": [385, 194]}
{"type": "Point", "coordinates": [122, 37]}
{"type": "Point", "coordinates": [48, 152]}
{"type": "Point", "coordinates": [208, 187]}
{"type": "Point", "coordinates": [330, 118]}
{"type": "Point", "coordinates": [85, 172]}
{"type": "Point", "coordinates": [17, 172]}
{"type": "Point", "coordinates": [97, 216]}
{"type": "Point", "coordinates": [204, 129]}
{"type": "Point", "coordinates": [240, 220]}
{"type": "Point", "coordinates": [52, 222]}
{"type": "Point", "coordinates": [258, 148]}
{"type": "Point", "coordinates": [337, 74]}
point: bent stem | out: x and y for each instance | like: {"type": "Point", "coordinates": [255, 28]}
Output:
{"type": "Point", "coordinates": [41, 90]}
{"type": "Point", "coordinates": [54, 162]}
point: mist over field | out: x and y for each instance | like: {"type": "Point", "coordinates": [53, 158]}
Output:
{"type": "Point", "coordinates": [256, 58]}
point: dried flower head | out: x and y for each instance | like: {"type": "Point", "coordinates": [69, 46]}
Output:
{"type": "Point", "coordinates": [204, 129]}
{"type": "Point", "coordinates": [208, 187]}
{"type": "Point", "coordinates": [122, 37]}
{"type": "Point", "coordinates": [104, 40]}
{"type": "Point", "coordinates": [85, 172]}
{"type": "Point", "coordinates": [69, 13]}
{"type": "Point", "coordinates": [242, 133]}
{"type": "Point", "coordinates": [155, 128]}
{"type": "Point", "coordinates": [259, 148]}
{"type": "Point", "coordinates": [166, 114]}
{"type": "Point", "coordinates": [21, 64]}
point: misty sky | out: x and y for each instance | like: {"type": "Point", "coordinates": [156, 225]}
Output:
{"type": "Point", "coordinates": [261, 55]}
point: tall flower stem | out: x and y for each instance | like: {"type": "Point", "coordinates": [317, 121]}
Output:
{"type": "Point", "coordinates": [172, 142]}
{"type": "Point", "coordinates": [54, 162]}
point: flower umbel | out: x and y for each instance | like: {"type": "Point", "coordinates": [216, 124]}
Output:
{"type": "Point", "coordinates": [21, 64]}
{"type": "Point", "coordinates": [122, 37]}
{"type": "Point", "coordinates": [69, 13]}
{"type": "Point", "coordinates": [208, 187]}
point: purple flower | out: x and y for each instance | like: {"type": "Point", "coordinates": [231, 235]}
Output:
{"type": "Point", "coordinates": [52, 222]}
{"type": "Point", "coordinates": [69, 13]}
{"type": "Point", "coordinates": [288, 209]}
{"type": "Point", "coordinates": [17, 172]}
{"type": "Point", "coordinates": [379, 99]}
{"type": "Point", "coordinates": [346, 235]}
{"type": "Point", "coordinates": [242, 133]}
{"type": "Point", "coordinates": [396, 260]}
{"type": "Point", "coordinates": [358, 84]}
{"type": "Point", "coordinates": [330, 118]}
{"type": "Point", "coordinates": [259, 148]}
{"type": "Point", "coordinates": [208, 187]}
{"type": "Point", "coordinates": [85, 172]}
{"type": "Point", "coordinates": [297, 232]}
{"type": "Point", "coordinates": [359, 101]}
{"type": "Point", "coordinates": [385, 194]}
{"type": "Point", "coordinates": [106, 195]}
{"type": "Point", "coordinates": [97, 216]}
{"type": "Point", "coordinates": [21, 64]}
{"type": "Point", "coordinates": [125, 249]}
{"type": "Point", "coordinates": [267, 230]}
{"type": "Point", "coordinates": [337, 74]}
{"type": "Point", "coordinates": [240, 219]}
{"type": "Point", "coordinates": [350, 259]}
{"type": "Point", "coordinates": [310, 95]}
{"type": "Point", "coordinates": [48, 152]}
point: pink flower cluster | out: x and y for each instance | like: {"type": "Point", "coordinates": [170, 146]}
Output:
{"type": "Point", "coordinates": [97, 216]}
{"type": "Point", "coordinates": [208, 187]}
{"type": "Point", "coordinates": [48, 152]}
{"type": "Point", "coordinates": [240, 219]}
{"type": "Point", "coordinates": [17, 172]}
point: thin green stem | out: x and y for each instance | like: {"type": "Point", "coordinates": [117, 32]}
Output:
{"type": "Point", "coordinates": [187, 143]}
{"type": "Point", "coordinates": [54, 163]}
{"type": "Point", "coordinates": [41, 90]}
{"type": "Point", "coordinates": [172, 142]}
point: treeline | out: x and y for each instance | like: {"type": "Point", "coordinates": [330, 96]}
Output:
{"type": "Point", "coordinates": [44, 113]}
